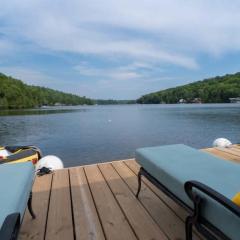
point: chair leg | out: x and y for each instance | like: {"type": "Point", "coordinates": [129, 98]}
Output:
{"type": "Point", "coordinates": [10, 227]}
{"type": "Point", "coordinates": [188, 228]}
{"type": "Point", "coordinates": [194, 218]}
{"type": "Point", "coordinates": [30, 206]}
{"type": "Point", "coordinates": [139, 182]}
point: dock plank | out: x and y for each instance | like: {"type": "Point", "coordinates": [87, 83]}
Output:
{"type": "Point", "coordinates": [236, 146]}
{"type": "Point", "coordinates": [181, 212]}
{"type": "Point", "coordinates": [168, 221]}
{"type": "Point", "coordinates": [34, 229]}
{"type": "Point", "coordinates": [87, 224]}
{"type": "Point", "coordinates": [234, 150]}
{"type": "Point", "coordinates": [112, 218]}
{"type": "Point", "coordinates": [231, 150]}
{"type": "Point", "coordinates": [142, 223]}
{"type": "Point", "coordinates": [97, 202]}
{"type": "Point", "coordinates": [223, 154]}
{"type": "Point", "coordinates": [59, 223]}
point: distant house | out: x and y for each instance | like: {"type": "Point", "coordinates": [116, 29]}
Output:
{"type": "Point", "coordinates": [234, 100]}
{"type": "Point", "coordinates": [57, 104]}
{"type": "Point", "coordinates": [181, 101]}
{"type": "Point", "coordinates": [196, 100]}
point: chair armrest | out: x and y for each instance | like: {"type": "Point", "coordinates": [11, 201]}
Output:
{"type": "Point", "coordinates": [10, 227]}
{"type": "Point", "coordinates": [190, 185]}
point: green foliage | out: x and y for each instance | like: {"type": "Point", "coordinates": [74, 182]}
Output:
{"type": "Point", "coordinates": [14, 94]}
{"type": "Point", "coordinates": [212, 90]}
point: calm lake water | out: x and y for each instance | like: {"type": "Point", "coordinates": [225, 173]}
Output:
{"type": "Point", "coordinates": [85, 135]}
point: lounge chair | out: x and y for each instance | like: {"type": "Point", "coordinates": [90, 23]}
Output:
{"type": "Point", "coordinates": [203, 184]}
{"type": "Point", "coordinates": [15, 194]}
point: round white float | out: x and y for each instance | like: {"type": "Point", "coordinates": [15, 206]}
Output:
{"type": "Point", "coordinates": [52, 162]}
{"type": "Point", "coordinates": [222, 142]}
{"type": "Point", "coordinates": [4, 153]}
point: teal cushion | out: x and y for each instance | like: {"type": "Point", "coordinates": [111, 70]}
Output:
{"type": "Point", "coordinates": [15, 185]}
{"type": "Point", "coordinates": [173, 165]}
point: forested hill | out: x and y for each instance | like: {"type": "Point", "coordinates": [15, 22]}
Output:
{"type": "Point", "coordinates": [15, 94]}
{"type": "Point", "coordinates": [212, 90]}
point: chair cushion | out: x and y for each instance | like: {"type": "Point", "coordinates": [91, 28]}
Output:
{"type": "Point", "coordinates": [173, 165]}
{"type": "Point", "coordinates": [15, 185]}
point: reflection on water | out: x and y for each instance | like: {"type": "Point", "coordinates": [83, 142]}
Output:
{"type": "Point", "coordinates": [90, 134]}
{"type": "Point", "coordinates": [38, 111]}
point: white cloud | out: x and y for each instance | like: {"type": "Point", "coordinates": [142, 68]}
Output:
{"type": "Point", "coordinates": [170, 31]}
{"type": "Point", "coordinates": [139, 35]}
{"type": "Point", "coordinates": [117, 73]}
{"type": "Point", "coordinates": [123, 82]}
{"type": "Point", "coordinates": [98, 28]}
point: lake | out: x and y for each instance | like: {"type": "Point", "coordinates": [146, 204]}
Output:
{"type": "Point", "coordinates": [91, 134]}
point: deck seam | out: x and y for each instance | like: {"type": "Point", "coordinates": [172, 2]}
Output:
{"type": "Point", "coordinates": [70, 191]}
{"type": "Point", "coordinates": [141, 203]}
{"type": "Point", "coordinates": [94, 203]}
{"type": "Point", "coordinates": [49, 198]}
{"type": "Point", "coordinates": [223, 155]}
{"type": "Point", "coordinates": [164, 202]}
{"type": "Point", "coordinates": [148, 185]}
{"type": "Point", "coordinates": [132, 166]}
{"type": "Point", "coordinates": [94, 164]}
{"type": "Point", "coordinates": [230, 153]}
{"type": "Point", "coordinates": [130, 225]}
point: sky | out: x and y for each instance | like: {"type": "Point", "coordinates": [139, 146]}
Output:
{"type": "Point", "coordinates": [119, 49]}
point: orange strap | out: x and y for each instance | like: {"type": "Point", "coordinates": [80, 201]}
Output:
{"type": "Point", "coordinates": [236, 199]}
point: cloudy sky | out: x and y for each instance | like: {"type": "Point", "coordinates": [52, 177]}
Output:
{"type": "Point", "coordinates": [118, 49]}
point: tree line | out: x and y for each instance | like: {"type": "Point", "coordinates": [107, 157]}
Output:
{"type": "Point", "coordinates": [212, 90]}
{"type": "Point", "coordinates": [14, 94]}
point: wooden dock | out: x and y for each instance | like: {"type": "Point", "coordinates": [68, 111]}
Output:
{"type": "Point", "coordinates": [97, 202]}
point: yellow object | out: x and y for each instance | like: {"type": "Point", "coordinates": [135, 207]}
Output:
{"type": "Point", "coordinates": [236, 199]}
{"type": "Point", "coordinates": [19, 154]}
{"type": "Point", "coordinates": [34, 158]}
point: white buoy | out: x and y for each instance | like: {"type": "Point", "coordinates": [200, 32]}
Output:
{"type": "Point", "coordinates": [4, 153]}
{"type": "Point", "coordinates": [222, 142]}
{"type": "Point", "coordinates": [52, 162]}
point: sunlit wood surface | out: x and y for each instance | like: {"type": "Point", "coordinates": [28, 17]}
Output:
{"type": "Point", "coordinates": [97, 202]}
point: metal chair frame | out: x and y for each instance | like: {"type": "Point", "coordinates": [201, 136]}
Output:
{"type": "Point", "coordinates": [195, 218]}
{"type": "Point", "coordinates": [12, 223]}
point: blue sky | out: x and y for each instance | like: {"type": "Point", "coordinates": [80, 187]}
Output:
{"type": "Point", "coordinates": [118, 49]}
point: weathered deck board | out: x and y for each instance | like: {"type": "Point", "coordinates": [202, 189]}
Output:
{"type": "Point", "coordinates": [114, 222]}
{"type": "Point", "coordinates": [233, 151]}
{"type": "Point", "coordinates": [59, 222]}
{"type": "Point", "coordinates": [222, 154]}
{"type": "Point", "coordinates": [232, 154]}
{"type": "Point", "coordinates": [171, 204]}
{"type": "Point", "coordinates": [87, 224]}
{"type": "Point", "coordinates": [97, 202]}
{"type": "Point", "coordinates": [142, 223]}
{"type": "Point", "coordinates": [35, 229]}
{"type": "Point", "coordinates": [237, 146]}
{"type": "Point", "coordinates": [170, 224]}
